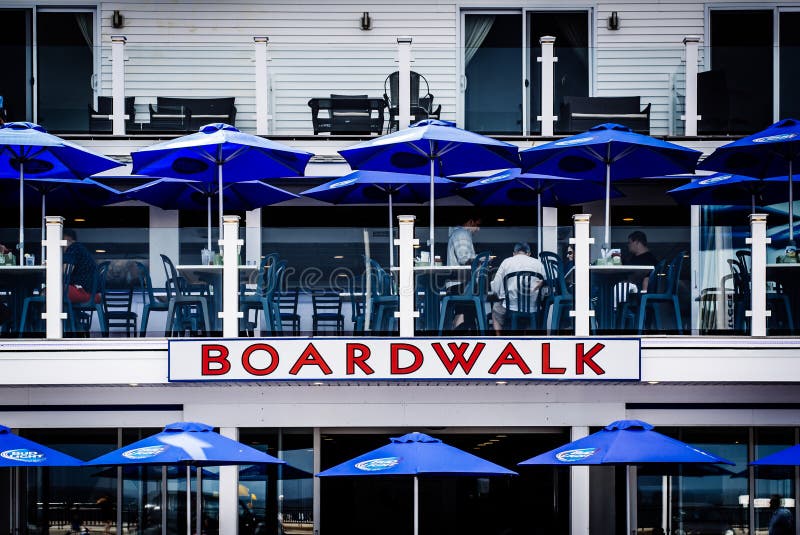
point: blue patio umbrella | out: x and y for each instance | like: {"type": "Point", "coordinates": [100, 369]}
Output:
{"type": "Point", "coordinates": [27, 150]}
{"type": "Point", "coordinates": [771, 152]}
{"type": "Point", "coordinates": [437, 147]}
{"type": "Point", "coordinates": [16, 451]}
{"type": "Point", "coordinates": [730, 189]}
{"type": "Point", "coordinates": [189, 444]}
{"type": "Point", "coordinates": [416, 454]}
{"type": "Point", "coordinates": [788, 457]}
{"type": "Point", "coordinates": [514, 188]}
{"type": "Point", "coordinates": [220, 153]}
{"type": "Point", "coordinates": [609, 152]}
{"type": "Point", "coordinates": [368, 187]}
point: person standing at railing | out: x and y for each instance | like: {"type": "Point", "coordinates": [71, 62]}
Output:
{"type": "Point", "coordinates": [461, 252]}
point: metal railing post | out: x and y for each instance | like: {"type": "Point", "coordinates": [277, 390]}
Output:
{"type": "Point", "coordinates": [54, 277]}
{"type": "Point", "coordinates": [404, 83]}
{"type": "Point", "coordinates": [547, 60]}
{"type": "Point", "coordinates": [691, 43]}
{"type": "Point", "coordinates": [758, 275]}
{"type": "Point", "coordinates": [230, 244]}
{"type": "Point", "coordinates": [581, 293]}
{"type": "Point", "coordinates": [263, 118]}
{"type": "Point", "coordinates": [406, 286]}
{"type": "Point", "coordinates": [118, 85]}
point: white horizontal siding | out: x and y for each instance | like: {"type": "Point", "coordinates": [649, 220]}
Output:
{"type": "Point", "coordinates": [205, 49]}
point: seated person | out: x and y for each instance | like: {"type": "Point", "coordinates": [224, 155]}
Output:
{"type": "Point", "coordinates": [640, 256]}
{"type": "Point", "coordinates": [85, 270]}
{"type": "Point", "coordinates": [520, 260]}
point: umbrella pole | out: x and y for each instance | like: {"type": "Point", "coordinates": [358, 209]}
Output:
{"type": "Point", "coordinates": [219, 192]}
{"type": "Point", "coordinates": [607, 241]}
{"type": "Point", "coordinates": [791, 207]}
{"type": "Point", "coordinates": [430, 236]}
{"type": "Point", "coordinates": [208, 239]}
{"type": "Point", "coordinates": [391, 234]}
{"type": "Point", "coordinates": [539, 221]}
{"type": "Point", "coordinates": [199, 506]}
{"type": "Point", "coordinates": [43, 216]}
{"type": "Point", "coordinates": [416, 505]}
{"type": "Point", "coordinates": [188, 500]}
{"type": "Point", "coordinates": [21, 212]}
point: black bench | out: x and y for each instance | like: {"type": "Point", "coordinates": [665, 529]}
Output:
{"type": "Point", "coordinates": [347, 114]}
{"type": "Point", "coordinates": [578, 114]}
{"type": "Point", "coordinates": [189, 114]}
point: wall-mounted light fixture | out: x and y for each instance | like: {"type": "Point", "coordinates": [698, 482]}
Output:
{"type": "Point", "coordinates": [366, 22]}
{"type": "Point", "coordinates": [117, 20]}
{"type": "Point", "coordinates": [613, 21]}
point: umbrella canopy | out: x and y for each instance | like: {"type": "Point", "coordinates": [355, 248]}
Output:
{"type": "Point", "coordinates": [787, 457]}
{"type": "Point", "coordinates": [369, 187]}
{"type": "Point", "coordinates": [220, 153]}
{"type": "Point", "coordinates": [772, 152]}
{"type": "Point", "coordinates": [730, 189]}
{"type": "Point", "coordinates": [416, 454]}
{"type": "Point", "coordinates": [609, 152]}
{"type": "Point", "coordinates": [514, 188]}
{"type": "Point", "coordinates": [625, 442]}
{"type": "Point", "coordinates": [27, 150]}
{"type": "Point", "coordinates": [434, 146]}
{"type": "Point", "coordinates": [16, 451]}
{"type": "Point", "coordinates": [186, 444]}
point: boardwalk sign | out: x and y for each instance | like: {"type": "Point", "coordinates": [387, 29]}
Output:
{"type": "Point", "coordinates": [409, 359]}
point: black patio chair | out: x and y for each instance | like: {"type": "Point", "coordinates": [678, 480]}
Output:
{"type": "Point", "coordinates": [421, 99]}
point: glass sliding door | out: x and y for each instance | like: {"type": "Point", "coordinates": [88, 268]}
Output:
{"type": "Point", "coordinates": [15, 49]}
{"type": "Point", "coordinates": [493, 73]}
{"type": "Point", "coordinates": [65, 68]}
{"type": "Point", "coordinates": [571, 71]}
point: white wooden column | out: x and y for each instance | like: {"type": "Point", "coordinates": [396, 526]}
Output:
{"type": "Point", "coordinates": [252, 236]}
{"type": "Point", "coordinates": [547, 60]}
{"type": "Point", "coordinates": [229, 490]}
{"type": "Point", "coordinates": [581, 293]}
{"type": "Point", "coordinates": [163, 237]}
{"type": "Point", "coordinates": [263, 118]}
{"type": "Point", "coordinates": [54, 273]}
{"type": "Point", "coordinates": [407, 288]}
{"type": "Point", "coordinates": [118, 84]}
{"type": "Point", "coordinates": [691, 44]}
{"type": "Point", "coordinates": [230, 276]}
{"type": "Point", "coordinates": [758, 275]}
{"type": "Point", "coordinates": [579, 490]}
{"type": "Point", "coordinates": [404, 83]}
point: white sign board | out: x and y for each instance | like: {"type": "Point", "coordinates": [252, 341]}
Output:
{"type": "Point", "coordinates": [404, 359]}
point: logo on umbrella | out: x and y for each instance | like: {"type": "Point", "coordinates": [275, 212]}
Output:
{"type": "Point", "coordinates": [574, 141]}
{"type": "Point", "coordinates": [144, 453]}
{"type": "Point", "coordinates": [489, 180]}
{"type": "Point", "coordinates": [24, 455]}
{"type": "Point", "coordinates": [571, 456]}
{"type": "Point", "coordinates": [776, 137]}
{"type": "Point", "coordinates": [342, 183]}
{"type": "Point", "coordinates": [376, 465]}
{"type": "Point", "coordinates": [715, 179]}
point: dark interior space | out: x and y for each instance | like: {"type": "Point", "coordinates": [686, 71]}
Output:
{"type": "Point", "coordinates": [13, 44]}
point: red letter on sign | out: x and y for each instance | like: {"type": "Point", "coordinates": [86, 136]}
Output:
{"type": "Point", "coordinates": [310, 357]}
{"type": "Point", "coordinates": [458, 351]}
{"type": "Point", "coordinates": [219, 359]}
{"type": "Point", "coordinates": [359, 359]}
{"type": "Point", "coordinates": [582, 358]}
{"type": "Point", "coordinates": [252, 370]}
{"type": "Point", "coordinates": [509, 356]}
{"type": "Point", "coordinates": [395, 362]}
{"type": "Point", "coordinates": [546, 362]}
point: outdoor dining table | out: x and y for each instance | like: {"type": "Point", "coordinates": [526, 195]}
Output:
{"type": "Point", "coordinates": [431, 281]}
{"type": "Point", "coordinates": [605, 277]}
{"type": "Point", "coordinates": [212, 274]}
{"type": "Point", "coordinates": [20, 282]}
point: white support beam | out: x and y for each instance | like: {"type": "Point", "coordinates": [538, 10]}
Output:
{"type": "Point", "coordinates": [263, 117]}
{"type": "Point", "coordinates": [407, 288]}
{"type": "Point", "coordinates": [118, 84]}
{"type": "Point", "coordinates": [54, 273]}
{"type": "Point", "coordinates": [581, 293]}
{"type": "Point", "coordinates": [758, 275]}
{"type": "Point", "coordinates": [230, 244]}
{"type": "Point", "coordinates": [404, 86]}
{"type": "Point", "coordinates": [579, 490]}
{"type": "Point", "coordinates": [548, 61]}
{"type": "Point", "coordinates": [691, 44]}
{"type": "Point", "coordinates": [229, 490]}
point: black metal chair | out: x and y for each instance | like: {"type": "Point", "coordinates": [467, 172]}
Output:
{"type": "Point", "coordinates": [521, 289]}
{"type": "Point", "coordinates": [117, 305]}
{"type": "Point", "coordinates": [263, 299]}
{"type": "Point", "coordinates": [327, 305]}
{"type": "Point", "coordinates": [559, 299]}
{"type": "Point", "coordinates": [38, 302]}
{"type": "Point", "coordinates": [474, 295]}
{"type": "Point", "coordinates": [421, 99]}
{"type": "Point", "coordinates": [187, 311]}
{"type": "Point", "coordinates": [151, 302]}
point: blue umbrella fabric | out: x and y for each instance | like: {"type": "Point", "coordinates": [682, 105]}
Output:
{"type": "Point", "coordinates": [625, 442]}
{"type": "Point", "coordinates": [438, 147]}
{"type": "Point", "coordinates": [512, 187]}
{"type": "Point", "coordinates": [416, 454]}
{"type": "Point", "coordinates": [220, 153]}
{"type": "Point", "coordinates": [788, 457]}
{"type": "Point", "coordinates": [16, 451]}
{"type": "Point", "coordinates": [370, 187]}
{"type": "Point", "coordinates": [730, 189]}
{"type": "Point", "coordinates": [27, 150]}
{"type": "Point", "coordinates": [609, 152]}
{"type": "Point", "coordinates": [772, 152]}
